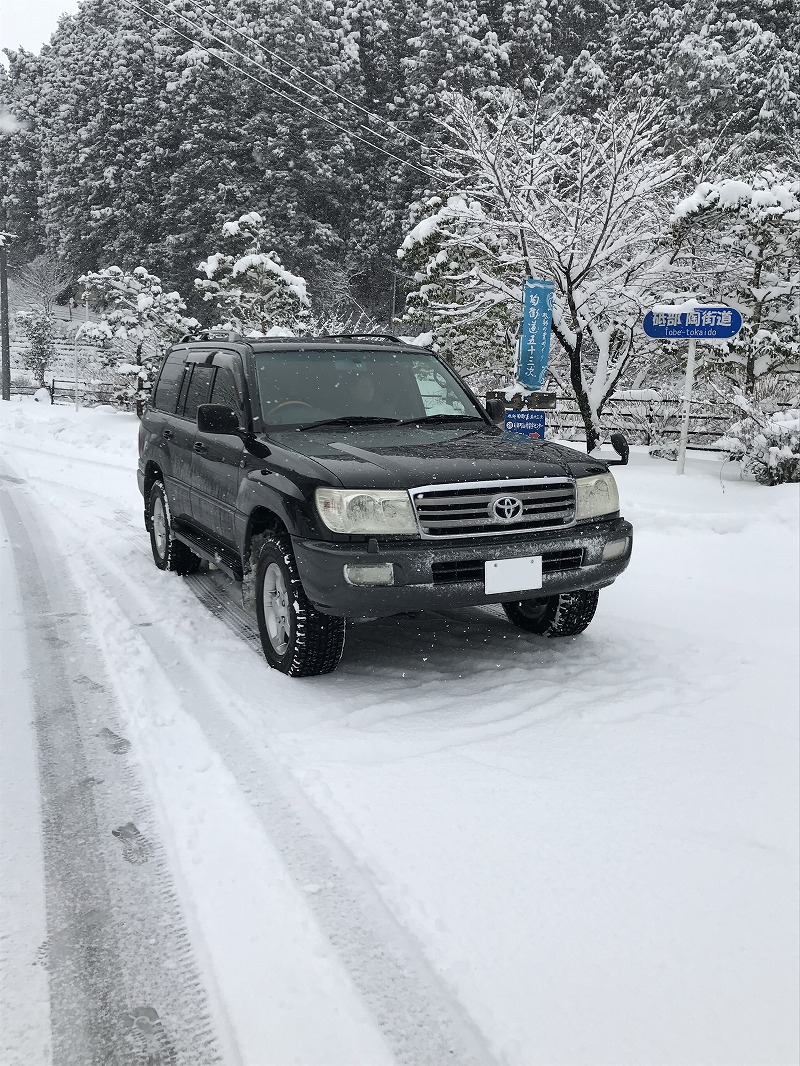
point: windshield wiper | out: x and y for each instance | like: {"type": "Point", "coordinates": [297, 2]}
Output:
{"type": "Point", "coordinates": [440, 418]}
{"type": "Point", "coordinates": [351, 420]}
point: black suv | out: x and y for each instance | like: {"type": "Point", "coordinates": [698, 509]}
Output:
{"type": "Point", "coordinates": [357, 477]}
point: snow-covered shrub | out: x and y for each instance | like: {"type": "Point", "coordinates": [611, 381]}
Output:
{"type": "Point", "coordinates": [22, 379]}
{"type": "Point", "coordinates": [653, 416]}
{"type": "Point", "coordinates": [766, 439]}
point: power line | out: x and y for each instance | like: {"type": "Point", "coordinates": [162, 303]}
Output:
{"type": "Point", "coordinates": [303, 73]}
{"type": "Point", "coordinates": [270, 88]}
{"type": "Point", "coordinates": [204, 29]}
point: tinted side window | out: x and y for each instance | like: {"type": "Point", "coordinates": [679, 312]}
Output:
{"type": "Point", "coordinates": [198, 390]}
{"type": "Point", "coordinates": [166, 394]}
{"type": "Point", "coordinates": [224, 389]}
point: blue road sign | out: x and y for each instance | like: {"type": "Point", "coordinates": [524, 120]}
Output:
{"type": "Point", "coordinates": [529, 424]}
{"type": "Point", "coordinates": [537, 318]}
{"type": "Point", "coordinates": [693, 324]}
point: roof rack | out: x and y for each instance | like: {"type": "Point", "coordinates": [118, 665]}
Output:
{"type": "Point", "coordinates": [356, 336]}
{"type": "Point", "coordinates": [212, 335]}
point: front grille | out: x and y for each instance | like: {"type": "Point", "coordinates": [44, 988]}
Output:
{"type": "Point", "coordinates": [467, 510]}
{"type": "Point", "coordinates": [453, 570]}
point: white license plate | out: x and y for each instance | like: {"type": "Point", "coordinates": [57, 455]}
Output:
{"type": "Point", "coordinates": [513, 575]}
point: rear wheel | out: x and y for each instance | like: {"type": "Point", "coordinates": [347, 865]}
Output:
{"type": "Point", "coordinates": [168, 554]}
{"type": "Point", "coordinates": [297, 639]}
{"type": "Point", "coordinates": [565, 615]}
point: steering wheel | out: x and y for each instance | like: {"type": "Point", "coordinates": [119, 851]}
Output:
{"type": "Point", "coordinates": [288, 403]}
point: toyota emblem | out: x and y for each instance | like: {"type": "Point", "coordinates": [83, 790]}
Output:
{"type": "Point", "coordinates": [505, 508]}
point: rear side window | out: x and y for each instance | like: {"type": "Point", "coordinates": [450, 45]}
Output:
{"type": "Point", "coordinates": [187, 377]}
{"type": "Point", "coordinates": [224, 390]}
{"type": "Point", "coordinates": [166, 394]}
{"type": "Point", "coordinates": [198, 390]}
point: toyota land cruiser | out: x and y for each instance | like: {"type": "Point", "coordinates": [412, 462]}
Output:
{"type": "Point", "coordinates": [358, 476]}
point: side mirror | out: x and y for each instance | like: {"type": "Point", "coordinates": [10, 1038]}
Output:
{"type": "Point", "coordinates": [496, 410]}
{"type": "Point", "coordinates": [620, 446]}
{"type": "Point", "coordinates": [216, 418]}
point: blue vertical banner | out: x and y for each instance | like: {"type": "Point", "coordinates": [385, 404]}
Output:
{"type": "Point", "coordinates": [537, 318]}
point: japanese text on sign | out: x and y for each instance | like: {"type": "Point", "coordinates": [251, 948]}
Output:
{"type": "Point", "coordinates": [537, 317]}
{"type": "Point", "coordinates": [694, 323]}
{"type": "Point", "coordinates": [524, 423]}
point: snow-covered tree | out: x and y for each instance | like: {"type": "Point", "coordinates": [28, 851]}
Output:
{"type": "Point", "coordinates": [742, 239]}
{"type": "Point", "coordinates": [248, 284]}
{"type": "Point", "coordinates": [131, 137]}
{"type": "Point", "coordinates": [722, 67]}
{"type": "Point", "coordinates": [42, 281]}
{"type": "Point", "coordinates": [576, 200]}
{"type": "Point", "coordinates": [20, 155]}
{"type": "Point", "coordinates": [138, 321]}
{"type": "Point", "coordinates": [39, 329]}
{"type": "Point", "coordinates": [468, 47]}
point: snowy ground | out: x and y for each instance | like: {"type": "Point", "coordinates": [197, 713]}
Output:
{"type": "Point", "coordinates": [468, 845]}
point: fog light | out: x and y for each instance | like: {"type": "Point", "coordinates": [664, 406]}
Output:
{"type": "Point", "coordinates": [373, 574]}
{"type": "Point", "coordinates": [615, 548]}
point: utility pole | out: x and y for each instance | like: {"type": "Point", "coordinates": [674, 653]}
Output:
{"type": "Point", "coordinates": [5, 343]}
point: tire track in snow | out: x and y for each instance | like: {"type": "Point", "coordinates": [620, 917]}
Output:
{"type": "Point", "coordinates": [420, 1019]}
{"type": "Point", "coordinates": [123, 984]}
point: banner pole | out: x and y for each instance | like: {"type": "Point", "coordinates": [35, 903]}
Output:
{"type": "Point", "coordinates": [687, 403]}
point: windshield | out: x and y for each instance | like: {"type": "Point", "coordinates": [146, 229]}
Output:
{"type": "Point", "coordinates": [298, 388]}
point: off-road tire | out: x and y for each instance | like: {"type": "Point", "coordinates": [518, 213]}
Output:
{"type": "Point", "coordinates": [315, 641]}
{"type": "Point", "coordinates": [168, 553]}
{"type": "Point", "coordinates": [565, 615]}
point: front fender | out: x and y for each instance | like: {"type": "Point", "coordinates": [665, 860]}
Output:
{"type": "Point", "coordinates": [273, 492]}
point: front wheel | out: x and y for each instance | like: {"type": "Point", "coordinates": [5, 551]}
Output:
{"type": "Point", "coordinates": [297, 639]}
{"type": "Point", "coordinates": [565, 615]}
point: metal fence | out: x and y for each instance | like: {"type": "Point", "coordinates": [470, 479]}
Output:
{"type": "Point", "coordinates": [61, 390]}
{"type": "Point", "coordinates": [648, 421]}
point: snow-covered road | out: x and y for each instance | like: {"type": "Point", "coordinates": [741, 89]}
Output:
{"type": "Point", "coordinates": [468, 845]}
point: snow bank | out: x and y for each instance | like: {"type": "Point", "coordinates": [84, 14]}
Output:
{"type": "Point", "coordinates": [102, 434]}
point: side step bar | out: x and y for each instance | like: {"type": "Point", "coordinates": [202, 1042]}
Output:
{"type": "Point", "coordinates": [224, 559]}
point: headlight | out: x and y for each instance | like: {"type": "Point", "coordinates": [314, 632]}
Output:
{"type": "Point", "coordinates": [365, 511]}
{"type": "Point", "coordinates": [595, 496]}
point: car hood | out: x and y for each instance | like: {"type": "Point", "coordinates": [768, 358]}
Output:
{"type": "Point", "coordinates": [393, 457]}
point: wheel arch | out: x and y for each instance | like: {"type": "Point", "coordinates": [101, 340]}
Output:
{"type": "Point", "coordinates": [152, 473]}
{"type": "Point", "coordinates": [261, 522]}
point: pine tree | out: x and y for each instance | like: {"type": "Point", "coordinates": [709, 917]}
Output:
{"type": "Point", "coordinates": [247, 283]}
{"type": "Point", "coordinates": [138, 322]}
{"type": "Point", "coordinates": [20, 154]}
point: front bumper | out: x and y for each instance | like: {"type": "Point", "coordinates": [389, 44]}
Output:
{"type": "Point", "coordinates": [431, 575]}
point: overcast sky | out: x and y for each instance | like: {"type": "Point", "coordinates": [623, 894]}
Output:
{"type": "Point", "coordinates": [29, 23]}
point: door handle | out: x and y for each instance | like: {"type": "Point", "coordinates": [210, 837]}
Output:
{"type": "Point", "coordinates": [167, 434]}
{"type": "Point", "coordinates": [199, 447]}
